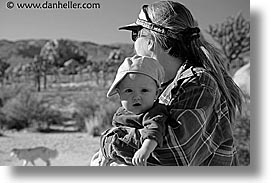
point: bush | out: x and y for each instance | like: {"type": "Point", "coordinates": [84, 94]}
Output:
{"type": "Point", "coordinates": [28, 109]}
{"type": "Point", "coordinates": [85, 114]}
{"type": "Point", "coordinates": [2, 120]}
{"type": "Point", "coordinates": [9, 92]}
{"type": "Point", "coordinates": [95, 112]}
{"type": "Point", "coordinates": [242, 134]}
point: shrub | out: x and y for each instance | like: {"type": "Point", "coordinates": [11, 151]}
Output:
{"type": "Point", "coordinates": [28, 109]}
{"type": "Point", "coordinates": [95, 112]}
{"type": "Point", "coordinates": [9, 92]}
{"type": "Point", "coordinates": [85, 114]}
{"type": "Point", "coordinates": [242, 134]}
{"type": "Point", "coordinates": [2, 121]}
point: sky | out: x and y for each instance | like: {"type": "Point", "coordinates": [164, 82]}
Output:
{"type": "Point", "coordinates": [100, 25]}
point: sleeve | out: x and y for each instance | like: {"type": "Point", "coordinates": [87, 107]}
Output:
{"type": "Point", "coordinates": [154, 124]}
{"type": "Point", "coordinates": [115, 121]}
{"type": "Point", "coordinates": [192, 109]}
{"type": "Point", "coordinates": [124, 118]}
{"type": "Point", "coordinates": [194, 112]}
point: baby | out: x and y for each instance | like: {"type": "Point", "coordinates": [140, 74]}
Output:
{"type": "Point", "coordinates": [140, 124]}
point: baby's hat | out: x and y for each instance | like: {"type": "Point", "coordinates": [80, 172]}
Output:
{"type": "Point", "coordinates": [138, 64]}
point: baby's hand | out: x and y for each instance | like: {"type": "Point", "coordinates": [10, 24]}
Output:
{"type": "Point", "coordinates": [140, 157]}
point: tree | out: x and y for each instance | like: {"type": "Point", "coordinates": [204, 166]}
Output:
{"type": "Point", "coordinates": [233, 36]}
{"type": "Point", "coordinates": [71, 68]}
{"type": "Point", "coordinates": [3, 67]}
{"type": "Point", "coordinates": [36, 67]}
{"type": "Point", "coordinates": [67, 50]}
{"type": "Point", "coordinates": [234, 39]}
{"type": "Point", "coordinates": [48, 58]}
{"type": "Point", "coordinates": [55, 53]}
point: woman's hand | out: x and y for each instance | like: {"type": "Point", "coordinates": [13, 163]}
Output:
{"type": "Point", "coordinates": [141, 156]}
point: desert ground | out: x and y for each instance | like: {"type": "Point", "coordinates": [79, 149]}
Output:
{"type": "Point", "coordinates": [74, 148]}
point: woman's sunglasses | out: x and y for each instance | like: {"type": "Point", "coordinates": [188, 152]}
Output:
{"type": "Point", "coordinates": [136, 34]}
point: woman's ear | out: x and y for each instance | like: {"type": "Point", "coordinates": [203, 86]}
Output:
{"type": "Point", "coordinates": [151, 45]}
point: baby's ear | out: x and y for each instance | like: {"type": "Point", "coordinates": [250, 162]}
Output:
{"type": "Point", "coordinates": [117, 90]}
{"type": "Point", "coordinates": [158, 92]}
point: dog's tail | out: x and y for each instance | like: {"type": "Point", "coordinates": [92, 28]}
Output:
{"type": "Point", "coordinates": [53, 153]}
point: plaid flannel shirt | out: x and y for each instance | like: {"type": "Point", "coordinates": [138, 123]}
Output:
{"type": "Point", "coordinates": [201, 130]}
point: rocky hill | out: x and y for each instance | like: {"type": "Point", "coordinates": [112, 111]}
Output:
{"type": "Point", "coordinates": [23, 51]}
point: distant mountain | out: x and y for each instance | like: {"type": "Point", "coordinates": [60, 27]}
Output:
{"type": "Point", "coordinates": [24, 48]}
{"type": "Point", "coordinates": [23, 51]}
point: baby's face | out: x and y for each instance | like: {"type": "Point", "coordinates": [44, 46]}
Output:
{"type": "Point", "coordinates": [137, 92]}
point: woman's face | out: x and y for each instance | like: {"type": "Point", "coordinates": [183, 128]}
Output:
{"type": "Point", "coordinates": [142, 48]}
{"type": "Point", "coordinates": [141, 45]}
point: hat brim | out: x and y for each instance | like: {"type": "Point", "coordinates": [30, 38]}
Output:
{"type": "Point", "coordinates": [112, 91]}
{"type": "Point", "coordinates": [132, 26]}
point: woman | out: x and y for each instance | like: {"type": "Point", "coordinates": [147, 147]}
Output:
{"type": "Point", "coordinates": [200, 95]}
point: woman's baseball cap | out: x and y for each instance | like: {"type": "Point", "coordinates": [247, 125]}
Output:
{"type": "Point", "coordinates": [141, 65]}
{"type": "Point", "coordinates": [143, 21]}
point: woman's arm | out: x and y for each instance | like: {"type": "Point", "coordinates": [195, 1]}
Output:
{"type": "Point", "coordinates": [203, 123]}
{"type": "Point", "coordinates": [155, 124]}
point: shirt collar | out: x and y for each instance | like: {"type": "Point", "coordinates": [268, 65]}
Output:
{"type": "Point", "coordinates": [182, 73]}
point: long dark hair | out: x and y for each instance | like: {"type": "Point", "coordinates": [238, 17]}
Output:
{"type": "Point", "coordinates": [190, 46]}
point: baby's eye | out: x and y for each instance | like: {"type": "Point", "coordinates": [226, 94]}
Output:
{"type": "Point", "coordinates": [144, 90]}
{"type": "Point", "coordinates": [128, 91]}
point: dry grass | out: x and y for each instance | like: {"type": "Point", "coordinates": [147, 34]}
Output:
{"type": "Point", "coordinates": [75, 149]}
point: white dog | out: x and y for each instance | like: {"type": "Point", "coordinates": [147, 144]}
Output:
{"type": "Point", "coordinates": [32, 154]}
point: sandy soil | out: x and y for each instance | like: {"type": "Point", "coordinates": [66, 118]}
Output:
{"type": "Point", "coordinates": [75, 149]}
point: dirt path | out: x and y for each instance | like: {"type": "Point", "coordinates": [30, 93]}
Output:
{"type": "Point", "coordinates": [74, 149]}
